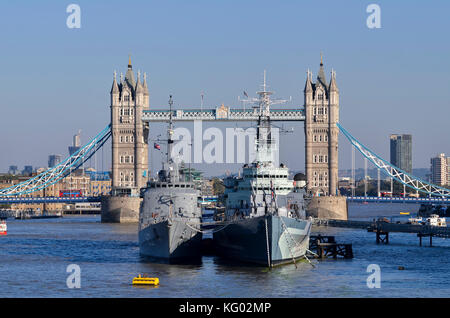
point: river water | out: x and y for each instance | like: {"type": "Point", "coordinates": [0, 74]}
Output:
{"type": "Point", "coordinates": [35, 254]}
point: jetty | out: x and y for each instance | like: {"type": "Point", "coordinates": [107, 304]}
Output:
{"type": "Point", "coordinates": [382, 228]}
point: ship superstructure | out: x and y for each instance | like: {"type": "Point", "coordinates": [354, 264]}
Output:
{"type": "Point", "coordinates": [265, 210]}
{"type": "Point", "coordinates": [170, 215]}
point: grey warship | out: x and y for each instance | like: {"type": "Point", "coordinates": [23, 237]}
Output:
{"type": "Point", "coordinates": [265, 221]}
{"type": "Point", "coordinates": [170, 216]}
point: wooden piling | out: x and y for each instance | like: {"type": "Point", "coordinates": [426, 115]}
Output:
{"type": "Point", "coordinates": [326, 246]}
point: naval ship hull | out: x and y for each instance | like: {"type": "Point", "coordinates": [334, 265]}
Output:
{"type": "Point", "coordinates": [246, 240]}
{"type": "Point", "coordinates": [174, 242]}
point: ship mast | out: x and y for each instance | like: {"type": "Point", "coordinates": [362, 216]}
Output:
{"type": "Point", "coordinates": [170, 167]}
{"type": "Point", "coordinates": [264, 141]}
{"type": "Point", "coordinates": [170, 132]}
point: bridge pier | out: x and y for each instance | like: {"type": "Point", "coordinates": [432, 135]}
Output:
{"type": "Point", "coordinates": [328, 207]}
{"type": "Point", "coordinates": [120, 209]}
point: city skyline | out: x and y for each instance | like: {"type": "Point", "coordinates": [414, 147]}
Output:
{"type": "Point", "coordinates": [384, 78]}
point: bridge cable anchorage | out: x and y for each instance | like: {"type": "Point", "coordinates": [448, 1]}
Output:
{"type": "Point", "coordinates": [60, 171]}
{"type": "Point", "coordinates": [395, 172]}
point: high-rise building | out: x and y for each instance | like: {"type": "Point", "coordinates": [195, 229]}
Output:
{"type": "Point", "coordinates": [321, 133]}
{"type": "Point", "coordinates": [13, 170]}
{"type": "Point", "coordinates": [448, 171]}
{"type": "Point", "coordinates": [440, 170]}
{"type": "Point", "coordinates": [401, 152]}
{"type": "Point", "coordinates": [76, 144]}
{"type": "Point", "coordinates": [54, 160]}
{"type": "Point", "coordinates": [27, 170]}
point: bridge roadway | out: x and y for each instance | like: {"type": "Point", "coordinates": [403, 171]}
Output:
{"type": "Point", "coordinates": [432, 200]}
{"type": "Point", "coordinates": [38, 200]}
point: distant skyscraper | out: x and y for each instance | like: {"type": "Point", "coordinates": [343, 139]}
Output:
{"type": "Point", "coordinates": [54, 160]}
{"type": "Point", "coordinates": [76, 144]}
{"type": "Point", "coordinates": [27, 170]}
{"type": "Point", "coordinates": [13, 170]}
{"type": "Point", "coordinates": [401, 152]}
{"type": "Point", "coordinates": [440, 169]}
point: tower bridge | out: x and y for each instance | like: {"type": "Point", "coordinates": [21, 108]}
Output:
{"type": "Point", "coordinates": [131, 118]}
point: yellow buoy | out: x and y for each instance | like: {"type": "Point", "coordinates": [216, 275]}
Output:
{"type": "Point", "coordinates": [145, 280]}
{"type": "Point", "coordinates": [404, 213]}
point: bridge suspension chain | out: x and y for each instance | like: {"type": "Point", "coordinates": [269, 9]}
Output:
{"type": "Point", "coordinates": [58, 172]}
{"type": "Point", "coordinates": [395, 172]}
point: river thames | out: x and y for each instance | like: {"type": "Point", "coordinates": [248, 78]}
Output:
{"type": "Point", "coordinates": [39, 252]}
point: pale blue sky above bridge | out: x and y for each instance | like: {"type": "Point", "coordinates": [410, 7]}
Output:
{"type": "Point", "coordinates": [56, 80]}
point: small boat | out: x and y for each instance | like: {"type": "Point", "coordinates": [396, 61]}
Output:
{"type": "Point", "coordinates": [435, 220]}
{"type": "Point", "coordinates": [417, 221]}
{"type": "Point", "coordinates": [3, 228]}
{"type": "Point", "coordinates": [140, 280]}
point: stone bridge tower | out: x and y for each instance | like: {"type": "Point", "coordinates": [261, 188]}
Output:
{"type": "Point", "coordinates": [321, 134]}
{"type": "Point", "coordinates": [129, 134]}
{"type": "Point", "coordinates": [129, 98]}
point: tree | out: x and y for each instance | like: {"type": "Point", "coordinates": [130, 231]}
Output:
{"type": "Point", "coordinates": [218, 186]}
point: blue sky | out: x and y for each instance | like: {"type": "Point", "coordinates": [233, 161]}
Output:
{"type": "Point", "coordinates": [56, 80]}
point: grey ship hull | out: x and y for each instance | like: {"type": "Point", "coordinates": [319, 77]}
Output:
{"type": "Point", "coordinates": [172, 243]}
{"type": "Point", "coordinates": [246, 240]}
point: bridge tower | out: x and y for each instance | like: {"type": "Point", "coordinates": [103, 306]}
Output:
{"type": "Point", "coordinates": [129, 98]}
{"type": "Point", "coordinates": [321, 147]}
{"type": "Point", "coordinates": [129, 134]}
{"type": "Point", "coordinates": [321, 133]}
